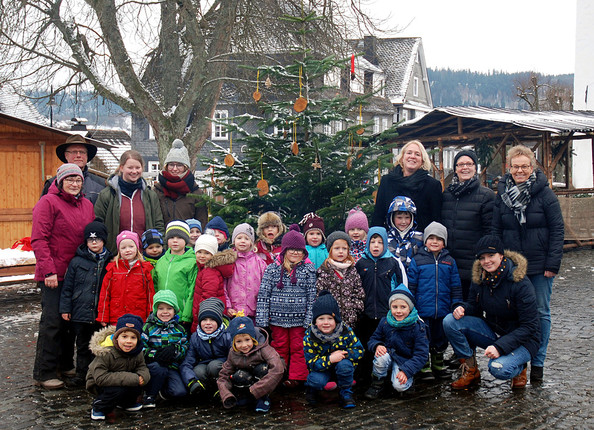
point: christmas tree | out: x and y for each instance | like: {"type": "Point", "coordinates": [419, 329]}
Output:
{"type": "Point", "coordinates": [308, 152]}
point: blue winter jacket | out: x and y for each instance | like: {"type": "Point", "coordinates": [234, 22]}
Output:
{"type": "Point", "coordinates": [434, 282]}
{"type": "Point", "coordinates": [204, 351]}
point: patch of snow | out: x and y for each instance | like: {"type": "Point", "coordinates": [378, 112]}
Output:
{"type": "Point", "coordinates": [15, 257]}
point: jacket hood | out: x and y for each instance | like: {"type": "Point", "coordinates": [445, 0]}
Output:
{"type": "Point", "coordinates": [516, 273]}
{"type": "Point", "coordinates": [261, 337]}
{"type": "Point", "coordinates": [222, 258]}
{"type": "Point", "coordinates": [384, 235]}
{"type": "Point", "coordinates": [97, 344]}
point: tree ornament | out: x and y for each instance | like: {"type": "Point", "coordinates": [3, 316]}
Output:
{"type": "Point", "coordinates": [349, 163]}
{"type": "Point", "coordinates": [229, 159]}
{"type": "Point", "coordinates": [301, 102]}
{"type": "Point", "coordinates": [268, 82]}
{"type": "Point", "coordinates": [295, 145]}
{"type": "Point", "coordinates": [352, 67]}
{"type": "Point", "coordinates": [257, 95]}
{"type": "Point", "coordinates": [359, 153]}
{"type": "Point", "coordinates": [361, 129]}
{"type": "Point", "coordinates": [262, 183]}
{"type": "Point", "coordinates": [316, 164]}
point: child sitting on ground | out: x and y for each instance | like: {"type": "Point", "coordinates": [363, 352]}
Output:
{"type": "Point", "coordinates": [313, 230]}
{"type": "Point", "coordinates": [195, 231]}
{"type": "Point", "coordinates": [270, 233]}
{"type": "Point", "coordinates": [403, 240]}
{"type": "Point", "coordinates": [208, 350]}
{"type": "Point", "coordinates": [220, 230]}
{"type": "Point", "coordinates": [241, 289]}
{"type": "Point", "coordinates": [357, 226]}
{"type": "Point", "coordinates": [152, 246]}
{"type": "Point", "coordinates": [400, 342]}
{"type": "Point", "coordinates": [165, 345]}
{"type": "Point", "coordinates": [253, 368]}
{"type": "Point", "coordinates": [118, 372]}
{"type": "Point", "coordinates": [331, 349]}
{"type": "Point", "coordinates": [435, 284]}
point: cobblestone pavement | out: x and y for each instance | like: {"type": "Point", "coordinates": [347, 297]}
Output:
{"type": "Point", "coordinates": [564, 400]}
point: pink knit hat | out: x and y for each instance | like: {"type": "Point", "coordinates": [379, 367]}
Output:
{"type": "Point", "coordinates": [356, 219]}
{"type": "Point", "coordinates": [127, 234]}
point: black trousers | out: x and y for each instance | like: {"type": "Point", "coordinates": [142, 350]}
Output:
{"type": "Point", "coordinates": [110, 397]}
{"type": "Point", "coordinates": [83, 333]}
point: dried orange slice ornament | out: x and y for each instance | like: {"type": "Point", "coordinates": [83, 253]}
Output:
{"type": "Point", "coordinates": [349, 163]}
{"type": "Point", "coordinates": [257, 95]}
{"type": "Point", "coordinates": [229, 160]}
{"type": "Point", "coordinates": [374, 195]}
{"type": "Point", "coordinates": [262, 187]}
{"type": "Point", "coordinates": [360, 131]}
{"type": "Point", "coordinates": [294, 148]}
{"type": "Point", "coordinates": [300, 104]}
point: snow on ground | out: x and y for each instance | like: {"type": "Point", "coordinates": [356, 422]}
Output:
{"type": "Point", "coordinates": [15, 257]}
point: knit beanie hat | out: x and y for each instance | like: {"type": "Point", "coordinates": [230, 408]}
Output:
{"type": "Point", "coordinates": [68, 169]}
{"type": "Point", "coordinates": [246, 229]}
{"type": "Point", "coordinates": [165, 296]}
{"type": "Point", "coordinates": [293, 239]}
{"type": "Point", "coordinates": [402, 293]}
{"type": "Point", "coordinates": [127, 234]}
{"type": "Point", "coordinates": [75, 139]}
{"type": "Point", "coordinates": [128, 322]}
{"type": "Point", "coordinates": [194, 223]}
{"type": "Point", "coordinates": [356, 219]}
{"type": "Point", "coordinates": [489, 244]}
{"type": "Point", "coordinates": [268, 219]}
{"type": "Point", "coordinates": [96, 230]}
{"type": "Point", "coordinates": [436, 229]}
{"type": "Point", "coordinates": [311, 221]}
{"type": "Point", "coordinates": [334, 236]}
{"type": "Point", "coordinates": [178, 154]}
{"type": "Point", "coordinates": [326, 304]}
{"type": "Point", "coordinates": [151, 236]}
{"type": "Point", "coordinates": [208, 243]}
{"type": "Point", "coordinates": [467, 152]}
{"type": "Point", "coordinates": [178, 229]}
{"type": "Point", "coordinates": [211, 308]}
{"type": "Point", "coordinates": [217, 223]}
{"type": "Point", "coordinates": [242, 325]}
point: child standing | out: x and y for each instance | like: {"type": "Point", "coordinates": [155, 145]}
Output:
{"type": "Point", "coordinates": [220, 230]}
{"type": "Point", "coordinates": [253, 368]}
{"type": "Point", "coordinates": [165, 345]}
{"type": "Point", "coordinates": [435, 284]}
{"type": "Point", "coordinates": [330, 347]}
{"type": "Point", "coordinates": [270, 232]}
{"type": "Point", "coordinates": [241, 290]}
{"type": "Point", "coordinates": [339, 276]}
{"type": "Point", "coordinates": [313, 230]}
{"type": "Point", "coordinates": [152, 245]}
{"type": "Point", "coordinates": [403, 240]}
{"type": "Point", "coordinates": [213, 268]}
{"type": "Point", "coordinates": [118, 372]}
{"type": "Point", "coordinates": [357, 226]}
{"type": "Point", "coordinates": [195, 231]}
{"type": "Point", "coordinates": [80, 294]}
{"type": "Point", "coordinates": [177, 269]}
{"type": "Point", "coordinates": [400, 342]}
{"type": "Point", "coordinates": [285, 300]}
{"type": "Point", "coordinates": [208, 350]}
{"type": "Point", "coordinates": [127, 286]}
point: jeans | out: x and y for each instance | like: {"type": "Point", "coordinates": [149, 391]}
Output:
{"type": "Point", "coordinates": [166, 380]}
{"type": "Point", "coordinates": [381, 365]}
{"type": "Point", "coordinates": [469, 332]}
{"type": "Point", "coordinates": [543, 288]}
{"type": "Point", "coordinates": [344, 371]}
{"type": "Point", "coordinates": [208, 373]}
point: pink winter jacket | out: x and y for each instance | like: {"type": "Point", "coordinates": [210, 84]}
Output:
{"type": "Point", "coordinates": [59, 221]}
{"type": "Point", "coordinates": [241, 289]}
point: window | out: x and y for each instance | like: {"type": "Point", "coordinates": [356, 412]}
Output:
{"type": "Point", "coordinates": [385, 125]}
{"type": "Point", "coordinates": [153, 167]}
{"type": "Point", "coordinates": [328, 129]}
{"type": "Point", "coordinates": [416, 86]}
{"type": "Point", "coordinates": [367, 82]}
{"type": "Point", "coordinates": [151, 133]}
{"type": "Point", "coordinates": [219, 131]}
{"type": "Point", "coordinates": [376, 124]}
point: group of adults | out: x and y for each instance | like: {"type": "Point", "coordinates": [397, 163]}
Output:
{"type": "Point", "coordinates": [507, 246]}
{"type": "Point", "coordinates": [74, 198]}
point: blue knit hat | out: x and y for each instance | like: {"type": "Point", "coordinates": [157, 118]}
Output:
{"type": "Point", "coordinates": [194, 223]}
{"type": "Point", "coordinates": [151, 236]}
{"type": "Point", "coordinates": [128, 322]}
{"type": "Point", "coordinates": [326, 304]}
{"type": "Point", "coordinates": [217, 223]}
{"type": "Point", "coordinates": [242, 325]}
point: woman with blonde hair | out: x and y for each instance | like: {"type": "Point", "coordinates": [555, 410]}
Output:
{"type": "Point", "coordinates": [410, 178]}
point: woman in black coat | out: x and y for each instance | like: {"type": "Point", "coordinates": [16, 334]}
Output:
{"type": "Point", "coordinates": [527, 216]}
{"type": "Point", "coordinates": [467, 213]}
{"type": "Point", "coordinates": [410, 178]}
{"type": "Point", "coordinates": [500, 316]}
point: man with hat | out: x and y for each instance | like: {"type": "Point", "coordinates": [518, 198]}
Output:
{"type": "Point", "coordinates": [77, 150]}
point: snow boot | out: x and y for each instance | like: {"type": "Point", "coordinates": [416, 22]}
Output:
{"type": "Point", "coordinates": [536, 374]}
{"type": "Point", "coordinates": [425, 374]}
{"type": "Point", "coordinates": [470, 374]}
{"type": "Point", "coordinates": [376, 388]}
{"type": "Point", "coordinates": [438, 366]}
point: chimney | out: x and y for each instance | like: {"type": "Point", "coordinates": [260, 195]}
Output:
{"type": "Point", "coordinates": [369, 49]}
{"type": "Point", "coordinates": [78, 124]}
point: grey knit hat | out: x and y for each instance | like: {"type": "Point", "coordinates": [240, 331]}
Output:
{"type": "Point", "coordinates": [334, 236]}
{"type": "Point", "coordinates": [436, 229]}
{"type": "Point", "coordinates": [178, 229]}
{"type": "Point", "coordinates": [68, 169]}
{"type": "Point", "coordinates": [211, 308]}
{"type": "Point", "coordinates": [178, 154]}
{"type": "Point", "coordinates": [243, 228]}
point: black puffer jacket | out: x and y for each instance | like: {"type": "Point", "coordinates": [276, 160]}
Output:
{"type": "Point", "coordinates": [540, 240]}
{"type": "Point", "coordinates": [82, 284]}
{"type": "Point", "coordinates": [467, 217]}
{"type": "Point", "coordinates": [509, 308]}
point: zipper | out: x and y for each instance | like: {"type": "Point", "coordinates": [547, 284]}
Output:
{"type": "Point", "coordinates": [436, 282]}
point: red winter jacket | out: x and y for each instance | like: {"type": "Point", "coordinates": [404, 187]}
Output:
{"type": "Point", "coordinates": [59, 221]}
{"type": "Point", "coordinates": [126, 291]}
{"type": "Point", "coordinates": [210, 281]}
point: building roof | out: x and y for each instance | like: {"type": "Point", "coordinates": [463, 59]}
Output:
{"type": "Point", "coordinates": [19, 107]}
{"type": "Point", "coordinates": [119, 141]}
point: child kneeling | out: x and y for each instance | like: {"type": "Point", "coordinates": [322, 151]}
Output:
{"type": "Point", "coordinates": [400, 341]}
{"type": "Point", "coordinates": [253, 368]}
{"type": "Point", "coordinates": [331, 348]}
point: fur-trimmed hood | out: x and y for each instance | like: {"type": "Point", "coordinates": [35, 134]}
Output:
{"type": "Point", "coordinates": [267, 219]}
{"type": "Point", "coordinates": [222, 258]}
{"type": "Point", "coordinates": [518, 271]}
{"type": "Point", "coordinates": [98, 344]}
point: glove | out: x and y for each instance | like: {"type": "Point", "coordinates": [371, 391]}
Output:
{"type": "Point", "coordinates": [165, 356]}
{"type": "Point", "coordinates": [230, 402]}
{"type": "Point", "coordinates": [195, 386]}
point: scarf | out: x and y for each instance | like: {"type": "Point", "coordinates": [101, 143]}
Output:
{"type": "Point", "coordinates": [328, 338]}
{"type": "Point", "coordinates": [516, 197]}
{"type": "Point", "coordinates": [411, 319]}
{"type": "Point", "coordinates": [128, 188]}
{"type": "Point", "coordinates": [404, 247]}
{"type": "Point", "coordinates": [413, 182]}
{"type": "Point", "coordinates": [458, 188]}
{"type": "Point", "coordinates": [492, 279]}
{"type": "Point", "coordinates": [341, 268]}
{"type": "Point", "coordinates": [174, 186]}
{"type": "Point", "coordinates": [358, 249]}
{"type": "Point", "coordinates": [206, 337]}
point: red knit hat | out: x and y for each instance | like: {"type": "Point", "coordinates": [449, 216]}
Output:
{"type": "Point", "coordinates": [312, 221]}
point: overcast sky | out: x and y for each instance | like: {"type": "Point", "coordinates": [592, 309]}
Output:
{"type": "Point", "coordinates": [483, 35]}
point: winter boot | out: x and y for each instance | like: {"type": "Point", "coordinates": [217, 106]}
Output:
{"type": "Point", "coordinates": [426, 374]}
{"type": "Point", "coordinates": [311, 396]}
{"type": "Point", "coordinates": [438, 366]}
{"type": "Point", "coordinates": [346, 398]}
{"type": "Point", "coordinates": [520, 380]}
{"type": "Point", "coordinates": [470, 374]}
{"type": "Point", "coordinates": [376, 388]}
{"type": "Point", "coordinates": [536, 374]}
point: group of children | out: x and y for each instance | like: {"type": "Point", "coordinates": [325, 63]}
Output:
{"type": "Point", "coordinates": [206, 319]}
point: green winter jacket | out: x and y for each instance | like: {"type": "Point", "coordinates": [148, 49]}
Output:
{"type": "Point", "coordinates": [178, 274]}
{"type": "Point", "coordinates": [107, 207]}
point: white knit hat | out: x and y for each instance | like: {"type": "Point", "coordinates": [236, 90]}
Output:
{"type": "Point", "coordinates": [178, 154]}
{"type": "Point", "coordinates": [208, 243]}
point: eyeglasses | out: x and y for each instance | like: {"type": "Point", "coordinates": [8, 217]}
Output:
{"type": "Point", "coordinates": [295, 251]}
{"type": "Point", "coordinates": [76, 181]}
{"type": "Point", "coordinates": [462, 165]}
{"type": "Point", "coordinates": [176, 166]}
{"type": "Point", "coordinates": [81, 152]}
{"type": "Point", "coordinates": [524, 167]}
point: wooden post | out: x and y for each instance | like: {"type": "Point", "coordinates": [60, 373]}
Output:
{"type": "Point", "coordinates": [441, 172]}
